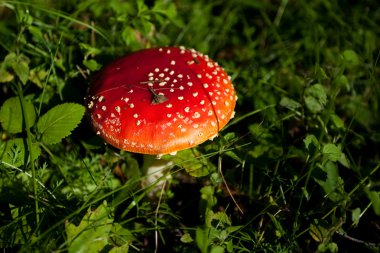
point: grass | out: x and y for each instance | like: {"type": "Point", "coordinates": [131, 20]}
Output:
{"type": "Point", "coordinates": [301, 157]}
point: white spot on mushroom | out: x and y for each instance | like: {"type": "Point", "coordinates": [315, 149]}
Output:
{"type": "Point", "coordinates": [181, 87]}
{"type": "Point", "coordinates": [138, 122]}
{"type": "Point", "coordinates": [226, 103]}
{"type": "Point", "coordinates": [210, 113]}
{"type": "Point", "coordinates": [156, 69]}
{"type": "Point", "coordinates": [169, 105]}
{"type": "Point", "coordinates": [199, 76]}
{"type": "Point", "coordinates": [172, 62]}
{"type": "Point", "coordinates": [213, 123]}
{"type": "Point", "coordinates": [126, 100]}
{"type": "Point", "coordinates": [171, 72]}
{"type": "Point", "coordinates": [104, 108]}
{"type": "Point", "coordinates": [90, 105]}
{"type": "Point", "coordinates": [101, 98]}
{"type": "Point", "coordinates": [180, 98]}
{"type": "Point", "coordinates": [196, 115]}
{"type": "Point", "coordinates": [179, 75]}
{"type": "Point", "coordinates": [98, 116]}
{"type": "Point", "coordinates": [213, 102]}
{"type": "Point", "coordinates": [162, 84]}
{"type": "Point", "coordinates": [168, 115]}
{"type": "Point", "coordinates": [190, 84]}
{"type": "Point", "coordinates": [205, 85]}
{"type": "Point", "coordinates": [195, 94]}
{"type": "Point", "coordinates": [202, 102]}
{"type": "Point", "coordinates": [131, 105]}
{"type": "Point", "coordinates": [183, 129]}
{"type": "Point", "coordinates": [135, 115]}
{"type": "Point", "coordinates": [195, 125]}
{"type": "Point", "coordinates": [187, 109]}
{"type": "Point", "coordinates": [117, 108]}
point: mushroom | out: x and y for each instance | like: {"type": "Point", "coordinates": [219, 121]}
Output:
{"type": "Point", "coordinates": [160, 100]}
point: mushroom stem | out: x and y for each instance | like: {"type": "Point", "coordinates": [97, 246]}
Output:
{"type": "Point", "coordinates": [154, 169]}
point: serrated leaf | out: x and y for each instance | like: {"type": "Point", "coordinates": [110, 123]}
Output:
{"type": "Point", "coordinates": [311, 144]}
{"type": "Point", "coordinates": [21, 68]}
{"type": "Point", "coordinates": [332, 152]}
{"type": "Point", "coordinates": [315, 98]}
{"type": "Point", "coordinates": [289, 103]}
{"type": "Point", "coordinates": [11, 115]}
{"type": "Point", "coordinates": [59, 121]}
{"type": "Point", "coordinates": [91, 235]}
{"type": "Point", "coordinates": [15, 152]}
{"type": "Point", "coordinates": [186, 238]}
{"type": "Point", "coordinates": [92, 64]}
{"type": "Point", "coordinates": [333, 184]}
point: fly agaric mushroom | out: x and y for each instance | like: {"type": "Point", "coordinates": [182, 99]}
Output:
{"type": "Point", "coordinates": [160, 100]}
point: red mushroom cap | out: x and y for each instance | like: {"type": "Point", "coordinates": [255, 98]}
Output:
{"type": "Point", "coordinates": [160, 100]}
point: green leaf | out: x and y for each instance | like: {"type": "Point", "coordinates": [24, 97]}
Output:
{"type": "Point", "coordinates": [289, 103]}
{"type": "Point", "coordinates": [332, 152]}
{"type": "Point", "coordinates": [355, 216]}
{"type": "Point", "coordinates": [374, 197]}
{"type": "Point", "coordinates": [21, 67]}
{"type": "Point", "coordinates": [350, 57]}
{"type": "Point", "coordinates": [193, 162]}
{"type": "Point", "coordinates": [15, 152]}
{"type": "Point", "coordinates": [59, 121]}
{"type": "Point", "coordinates": [333, 183]}
{"type": "Point", "coordinates": [91, 235]}
{"type": "Point", "coordinates": [337, 121]}
{"type": "Point", "coordinates": [11, 115]}
{"type": "Point", "coordinates": [5, 76]}
{"type": "Point", "coordinates": [202, 239]}
{"type": "Point", "coordinates": [186, 238]}
{"type": "Point", "coordinates": [311, 143]}
{"type": "Point", "coordinates": [217, 249]}
{"type": "Point", "coordinates": [315, 98]}
{"type": "Point", "coordinates": [92, 64]}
